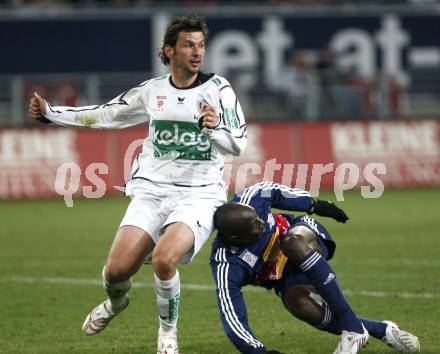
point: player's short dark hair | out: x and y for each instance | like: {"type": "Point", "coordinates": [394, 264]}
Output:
{"type": "Point", "coordinates": [230, 220]}
{"type": "Point", "coordinates": [179, 24]}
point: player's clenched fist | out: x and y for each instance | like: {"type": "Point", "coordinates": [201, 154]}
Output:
{"type": "Point", "coordinates": [209, 117]}
{"type": "Point", "coordinates": [37, 106]}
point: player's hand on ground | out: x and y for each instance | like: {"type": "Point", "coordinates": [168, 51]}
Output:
{"type": "Point", "coordinates": [208, 118]}
{"type": "Point", "coordinates": [327, 208]}
{"type": "Point", "coordinates": [37, 106]}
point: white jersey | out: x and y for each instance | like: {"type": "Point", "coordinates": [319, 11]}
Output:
{"type": "Point", "coordinates": [176, 151]}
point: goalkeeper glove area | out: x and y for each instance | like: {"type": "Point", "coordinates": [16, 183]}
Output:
{"type": "Point", "coordinates": [328, 209]}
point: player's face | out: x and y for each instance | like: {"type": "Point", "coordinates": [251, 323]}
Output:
{"type": "Point", "coordinates": [251, 229]}
{"type": "Point", "coordinates": [189, 52]}
{"type": "Point", "coordinates": [255, 229]}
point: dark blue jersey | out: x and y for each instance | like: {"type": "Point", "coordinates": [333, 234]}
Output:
{"type": "Point", "coordinates": [259, 263]}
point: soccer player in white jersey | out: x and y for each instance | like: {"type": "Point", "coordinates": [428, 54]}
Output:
{"type": "Point", "coordinates": [194, 120]}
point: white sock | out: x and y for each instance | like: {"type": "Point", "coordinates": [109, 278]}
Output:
{"type": "Point", "coordinates": [167, 299]}
{"type": "Point", "coordinates": [116, 292]}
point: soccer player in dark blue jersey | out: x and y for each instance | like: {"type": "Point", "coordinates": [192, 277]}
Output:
{"type": "Point", "coordinates": [289, 254]}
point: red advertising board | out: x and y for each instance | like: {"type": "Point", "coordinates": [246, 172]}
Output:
{"type": "Point", "coordinates": [410, 150]}
{"type": "Point", "coordinates": [29, 159]}
{"type": "Point", "coordinates": [35, 163]}
{"type": "Point", "coordinates": [305, 155]}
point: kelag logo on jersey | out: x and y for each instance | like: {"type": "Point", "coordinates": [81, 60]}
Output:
{"type": "Point", "coordinates": [180, 140]}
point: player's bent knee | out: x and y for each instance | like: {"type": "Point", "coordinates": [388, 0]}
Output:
{"type": "Point", "coordinates": [299, 301]}
{"type": "Point", "coordinates": [295, 298]}
{"type": "Point", "coordinates": [298, 242]}
{"type": "Point", "coordinates": [164, 259]}
{"type": "Point", "coordinates": [294, 247]}
{"type": "Point", "coordinates": [117, 271]}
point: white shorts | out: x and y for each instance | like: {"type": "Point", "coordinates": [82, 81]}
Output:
{"type": "Point", "coordinates": [154, 206]}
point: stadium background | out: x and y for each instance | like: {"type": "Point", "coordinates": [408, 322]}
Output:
{"type": "Point", "coordinates": [321, 82]}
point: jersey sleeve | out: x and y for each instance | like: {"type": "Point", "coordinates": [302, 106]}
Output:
{"type": "Point", "coordinates": [229, 277]}
{"type": "Point", "coordinates": [279, 196]}
{"type": "Point", "coordinates": [230, 135]}
{"type": "Point", "coordinates": [125, 110]}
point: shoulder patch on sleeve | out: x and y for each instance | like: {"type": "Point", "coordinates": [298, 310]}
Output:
{"type": "Point", "coordinates": [231, 118]}
{"type": "Point", "coordinates": [216, 81]}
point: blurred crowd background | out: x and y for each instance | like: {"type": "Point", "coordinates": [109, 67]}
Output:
{"type": "Point", "coordinates": [331, 59]}
{"type": "Point", "coordinates": [116, 3]}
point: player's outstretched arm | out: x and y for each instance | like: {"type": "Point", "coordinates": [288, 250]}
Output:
{"type": "Point", "coordinates": [328, 209]}
{"type": "Point", "coordinates": [282, 197]}
{"type": "Point", "coordinates": [293, 199]}
{"type": "Point", "coordinates": [37, 108]}
{"type": "Point", "coordinates": [125, 110]}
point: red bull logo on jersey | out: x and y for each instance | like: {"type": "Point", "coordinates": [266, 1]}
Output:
{"type": "Point", "coordinates": [180, 140]}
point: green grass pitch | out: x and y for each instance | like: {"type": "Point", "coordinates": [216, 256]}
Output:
{"type": "Point", "coordinates": [51, 257]}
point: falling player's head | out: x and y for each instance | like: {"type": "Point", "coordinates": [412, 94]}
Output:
{"type": "Point", "coordinates": [238, 224]}
{"type": "Point", "coordinates": [184, 34]}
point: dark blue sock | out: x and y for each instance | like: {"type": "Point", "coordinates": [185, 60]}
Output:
{"type": "Point", "coordinates": [323, 278]}
{"type": "Point", "coordinates": [330, 324]}
{"type": "Point", "coordinates": [376, 328]}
